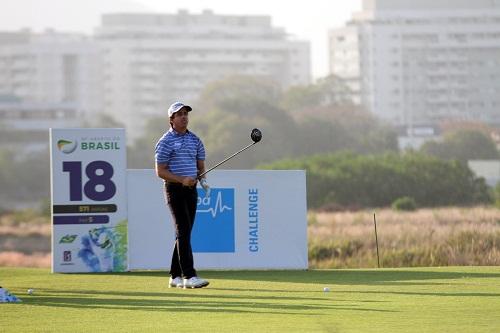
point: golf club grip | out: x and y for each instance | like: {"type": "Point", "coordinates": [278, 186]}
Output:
{"type": "Point", "coordinates": [225, 160]}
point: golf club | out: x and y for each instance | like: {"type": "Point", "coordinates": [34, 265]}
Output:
{"type": "Point", "coordinates": [255, 135]}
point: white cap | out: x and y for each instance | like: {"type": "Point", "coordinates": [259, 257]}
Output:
{"type": "Point", "coordinates": [176, 107]}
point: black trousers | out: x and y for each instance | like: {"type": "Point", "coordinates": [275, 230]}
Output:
{"type": "Point", "coordinates": [182, 202]}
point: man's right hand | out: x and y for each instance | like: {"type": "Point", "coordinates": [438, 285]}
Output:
{"type": "Point", "coordinates": [188, 181]}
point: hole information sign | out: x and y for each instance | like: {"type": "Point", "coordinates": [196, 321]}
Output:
{"type": "Point", "coordinates": [89, 202]}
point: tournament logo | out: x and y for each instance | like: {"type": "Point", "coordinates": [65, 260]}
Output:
{"type": "Point", "coordinates": [213, 229]}
{"type": "Point", "coordinates": [67, 146]}
{"type": "Point", "coordinates": [67, 239]}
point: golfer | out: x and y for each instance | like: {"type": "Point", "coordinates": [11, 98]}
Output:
{"type": "Point", "coordinates": [180, 158]}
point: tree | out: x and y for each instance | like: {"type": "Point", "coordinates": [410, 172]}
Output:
{"type": "Point", "coordinates": [103, 120]}
{"type": "Point", "coordinates": [463, 145]}
{"type": "Point", "coordinates": [240, 94]}
{"type": "Point", "coordinates": [347, 179]}
{"type": "Point", "coordinates": [327, 91]}
{"type": "Point", "coordinates": [140, 155]}
{"type": "Point", "coordinates": [225, 131]}
{"type": "Point", "coordinates": [236, 105]}
{"type": "Point", "coordinates": [233, 107]}
{"type": "Point", "coordinates": [23, 179]}
{"type": "Point", "coordinates": [298, 98]}
{"type": "Point", "coordinates": [336, 128]}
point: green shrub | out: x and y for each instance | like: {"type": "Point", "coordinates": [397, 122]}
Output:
{"type": "Point", "coordinates": [353, 180]}
{"type": "Point", "coordinates": [404, 203]}
{"type": "Point", "coordinates": [330, 250]}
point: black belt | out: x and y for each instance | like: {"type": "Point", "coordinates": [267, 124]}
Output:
{"type": "Point", "coordinates": [177, 185]}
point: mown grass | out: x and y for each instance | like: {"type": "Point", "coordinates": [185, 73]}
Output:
{"type": "Point", "coordinates": [450, 299]}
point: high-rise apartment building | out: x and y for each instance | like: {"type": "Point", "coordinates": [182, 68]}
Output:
{"type": "Point", "coordinates": [51, 68]}
{"type": "Point", "coordinates": [420, 62]}
{"type": "Point", "coordinates": [47, 79]}
{"type": "Point", "coordinates": [152, 60]}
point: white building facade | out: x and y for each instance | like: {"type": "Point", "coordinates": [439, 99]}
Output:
{"type": "Point", "coordinates": [51, 68]}
{"type": "Point", "coordinates": [47, 79]}
{"type": "Point", "coordinates": [421, 62]}
{"type": "Point", "coordinates": [152, 60]}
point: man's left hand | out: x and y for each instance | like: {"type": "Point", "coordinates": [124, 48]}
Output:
{"type": "Point", "coordinates": [204, 185]}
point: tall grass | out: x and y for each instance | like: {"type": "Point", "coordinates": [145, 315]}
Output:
{"type": "Point", "coordinates": [427, 237]}
{"type": "Point", "coordinates": [25, 239]}
{"type": "Point", "coordinates": [19, 259]}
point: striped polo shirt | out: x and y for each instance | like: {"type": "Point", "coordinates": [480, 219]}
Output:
{"type": "Point", "coordinates": [180, 152]}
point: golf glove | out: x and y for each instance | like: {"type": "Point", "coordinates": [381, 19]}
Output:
{"type": "Point", "coordinates": [204, 185]}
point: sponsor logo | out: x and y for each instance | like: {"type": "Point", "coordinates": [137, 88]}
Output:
{"type": "Point", "coordinates": [107, 145]}
{"type": "Point", "coordinates": [67, 146]}
{"type": "Point", "coordinates": [67, 239]}
{"type": "Point", "coordinates": [67, 256]}
{"type": "Point", "coordinates": [213, 230]}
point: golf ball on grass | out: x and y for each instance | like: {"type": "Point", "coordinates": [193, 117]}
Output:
{"type": "Point", "coordinates": [30, 291]}
{"type": "Point", "coordinates": [326, 289]}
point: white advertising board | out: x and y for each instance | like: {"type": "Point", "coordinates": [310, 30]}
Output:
{"type": "Point", "coordinates": [89, 201]}
{"type": "Point", "coordinates": [253, 219]}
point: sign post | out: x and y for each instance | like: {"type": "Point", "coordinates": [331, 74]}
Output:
{"type": "Point", "coordinates": [89, 201]}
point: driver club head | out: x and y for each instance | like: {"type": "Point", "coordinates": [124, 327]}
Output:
{"type": "Point", "coordinates": [256, 135]}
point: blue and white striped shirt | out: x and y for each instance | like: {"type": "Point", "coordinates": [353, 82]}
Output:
{"type": "Point", "coordinates": [180, 152]}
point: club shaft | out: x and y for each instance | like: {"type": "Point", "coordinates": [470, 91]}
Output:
{"type": "Point", "coordinates": [225, 160]}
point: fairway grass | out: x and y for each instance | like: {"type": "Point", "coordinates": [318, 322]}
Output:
{"type": "Point", "coordinates": [449, 299]}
